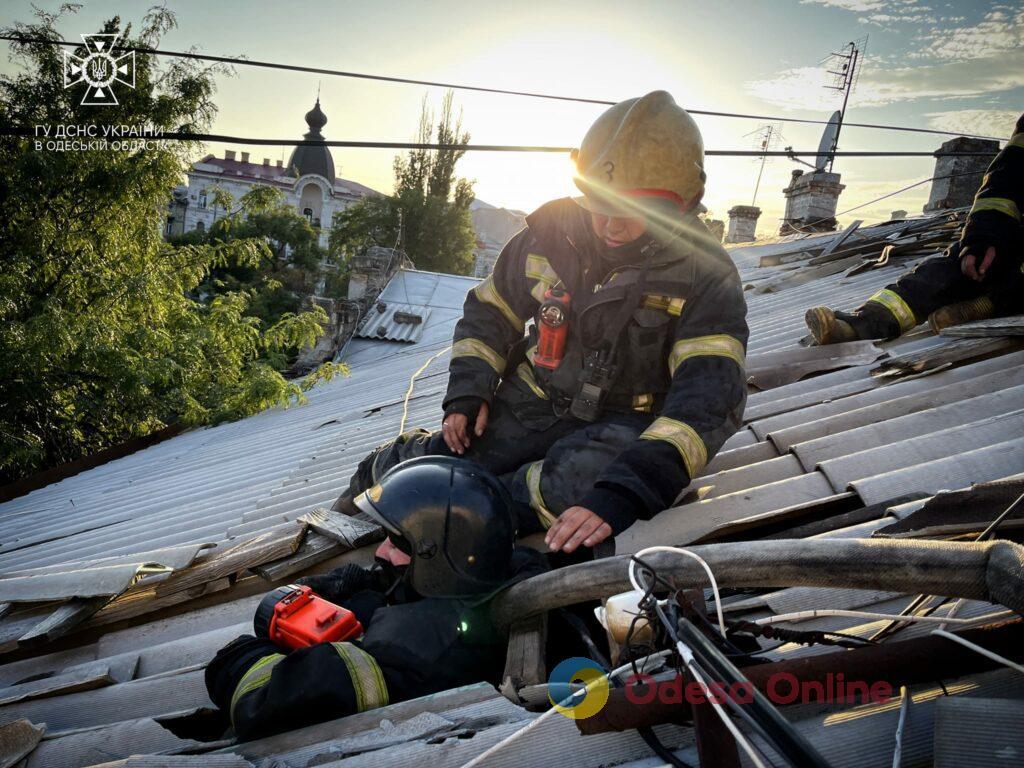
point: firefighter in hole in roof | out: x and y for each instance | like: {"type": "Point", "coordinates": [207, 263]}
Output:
{"type": "Point", "coordinates": [980, 277]}
{"type": "Point", "coordinates": [631, 372]}
{"type": "Point", "coordinates": [416, 623]}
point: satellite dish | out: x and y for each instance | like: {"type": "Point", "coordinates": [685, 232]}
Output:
{"type": "Point", "coordinates": [827, 145]}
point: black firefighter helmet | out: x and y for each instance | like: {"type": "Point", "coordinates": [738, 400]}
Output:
{"type": "Point", "coordinates": [452, 517]}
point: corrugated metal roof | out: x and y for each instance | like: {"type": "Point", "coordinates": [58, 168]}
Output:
{"type": "Point", "coordinates": [394, 322]}
{"type": "Point", "coordinates": [845, 434]}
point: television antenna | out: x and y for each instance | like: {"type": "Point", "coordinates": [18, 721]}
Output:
{"type": "Point", "coordinates": [843, 66]}
{"type": "Point", "coordinates": [768, 137]}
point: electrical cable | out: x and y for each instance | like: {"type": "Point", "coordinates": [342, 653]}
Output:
{"type": "Point", "coordinates": [978, 649]}
{"type": "Point", "coordinates": [216, 138]}
{"type": "Point", "coordinates": [239, 61]}
{"type": "Point", "coordinates": [688, 553]}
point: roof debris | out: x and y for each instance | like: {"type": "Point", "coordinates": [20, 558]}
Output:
{"type": "Point", "coordinates": [850, 450]}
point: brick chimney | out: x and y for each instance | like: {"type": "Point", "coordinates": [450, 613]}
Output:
{"type": "Point", "coordinates": [957, 178]}
{"type": "Point", "coordinates": [229, 154]}
{"type": "Point", "coordinates": [266, 161]}
{"type": "Point", "coordinates": [245, 157]}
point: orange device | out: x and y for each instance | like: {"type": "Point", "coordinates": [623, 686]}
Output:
{"type": "Point", "coordinates": [552, 328]}
{"type": "Point", "coordinates": [295, 617]}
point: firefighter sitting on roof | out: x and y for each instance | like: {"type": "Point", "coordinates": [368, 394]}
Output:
{"type": "Point", "coordinates": [631, 376]}
{"type": "Point", "coordinates": [977, 278]}
{"type": "Point", "coordinates": [424, 608]}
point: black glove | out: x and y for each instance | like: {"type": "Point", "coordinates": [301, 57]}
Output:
{"type": "Point", "coordinates": [467, 406]}
{"type": "Point", "coordinates": [341, 583]}
{"type": "Point", "coordinates": [989, 229]}
{"type": "Point", "coordinates": [231, 663]}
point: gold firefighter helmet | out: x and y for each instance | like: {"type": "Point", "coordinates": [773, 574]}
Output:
{"type": "Point", "coordinates": [640, 155]}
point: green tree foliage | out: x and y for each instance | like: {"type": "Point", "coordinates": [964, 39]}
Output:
{"type": "Point", "coordinates": [428, 215]}
{"type": "Point", "coordinates": [288, 268]}
{"type": "Point", "coordinates": [102, 337]}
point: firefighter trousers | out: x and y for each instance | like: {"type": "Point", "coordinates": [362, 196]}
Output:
{"type": "Point", "coordinates": [932, 285]}
{"type": "Point", "coordinates": [546, 470]}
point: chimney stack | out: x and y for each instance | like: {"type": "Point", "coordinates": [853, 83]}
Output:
{"type": "Point", "coordinates": [266, 161]}
{"type": "Point", "coordinates": [229, 154]}
{"type": "Point", "coordinates": [245, 157]}
{"type": "Point", "coordinates": [958, 177]}
{"type": "Point", "coordinates": [278, 163]}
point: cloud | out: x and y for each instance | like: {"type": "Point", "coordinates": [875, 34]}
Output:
{"type": "Point", "coordinates": [988, 122]}
{"type": "Point", "coordinates": [803, 87]}
{"type": "Point", "coordinates": [999, 32]}
{"type": "Point", "coordinates": [882, 13]}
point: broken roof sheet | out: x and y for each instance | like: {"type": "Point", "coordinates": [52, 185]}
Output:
{"type": "Point", "coordinates": [811, 450]}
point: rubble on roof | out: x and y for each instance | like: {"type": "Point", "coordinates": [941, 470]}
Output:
{"type": "Point", "coordinates": [838, 444]}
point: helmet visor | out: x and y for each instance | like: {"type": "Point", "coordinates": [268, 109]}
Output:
{"type": "Point", "coordinates": [364, 503]}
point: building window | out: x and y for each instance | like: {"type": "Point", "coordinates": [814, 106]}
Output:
{"type": "Point", "coordinates": [308, 213]}
{"type": "Point", "coordinates": [202, 199]}
{"type": "Point", "coordinates": [200, 227]}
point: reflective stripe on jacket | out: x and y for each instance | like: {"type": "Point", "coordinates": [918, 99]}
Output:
{"type": "Point", "coordinates": [680, 354]}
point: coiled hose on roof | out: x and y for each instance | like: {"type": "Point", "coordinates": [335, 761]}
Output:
{"type": "Point", "coordinates": [991, 570]}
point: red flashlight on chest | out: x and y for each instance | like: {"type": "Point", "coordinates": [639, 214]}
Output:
{"type": "Point", "coordinates": [552, 328]}
{"type": "Point", "coordinates": [295, 617]}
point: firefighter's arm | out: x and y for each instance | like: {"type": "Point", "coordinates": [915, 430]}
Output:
{"type": "Point", "coordinates": [993, 224]}
{"type": "Point", "coordinates": [703, 407]}
{"type": "Point", "coordinates": [493, 320]}
{"type": "Point", "coordinates": [265, 691]}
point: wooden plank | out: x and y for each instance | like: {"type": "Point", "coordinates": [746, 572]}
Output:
{"type": "Point", "coordinates": [140, 602]}
{"type": "Point", "coordinates": [314, 550]}
{"type": "Point", "coordinates": [263, 548]}
{"type": "Point", "coordinates": [350, 531]}
{"type": "Point", "coordinates": [524, 661]}
{"type": "Point", "coordinates": [62, 621]}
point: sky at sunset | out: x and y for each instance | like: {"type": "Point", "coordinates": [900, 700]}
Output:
{"type": "Point", "coordinates": [952, 65]}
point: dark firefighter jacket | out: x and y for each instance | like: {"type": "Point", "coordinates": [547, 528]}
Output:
{"type": "Point", "coordinates": [995, 218]}
{"type": "Point", "coordinates": [412, 647]}
{"type": "Point", "coordinates": [679, 352]}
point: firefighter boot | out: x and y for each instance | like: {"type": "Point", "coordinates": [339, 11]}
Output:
{"type": "Point", "coordinates": [826, 328]}
{"type": "Point", "coordinates": [981, 308]}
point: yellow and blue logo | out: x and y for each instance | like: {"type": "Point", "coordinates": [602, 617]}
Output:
{"type": "Point", "coordinates": [565, 681]}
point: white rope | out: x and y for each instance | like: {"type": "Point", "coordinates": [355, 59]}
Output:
{"type": "Point", "coordinates": [978, 649]}
{"type": "Point", "coordinates": [412, 385]}
{"type": "Point", "coordinates": [679, 550]}
{"type": "Point", "coordinates": [564, 703]}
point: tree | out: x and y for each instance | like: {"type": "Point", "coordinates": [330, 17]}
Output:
{"type": "Point", "coordinates": [102, 336]}
{"type": "Point", "coordinates": [288, 270]}
{"type": "Point", "coordinates": [428, 215]}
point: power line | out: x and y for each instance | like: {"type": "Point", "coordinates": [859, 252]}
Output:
{"type": "Point", "coordinates": [222, 139]}
{"type": "Point", "coordinates": [238, 61]}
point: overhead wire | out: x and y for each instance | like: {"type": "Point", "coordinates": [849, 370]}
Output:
{"type": "Point", "coordinates": [245, 62]}
{"type": "Point", "coordinates": [217, 138]}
